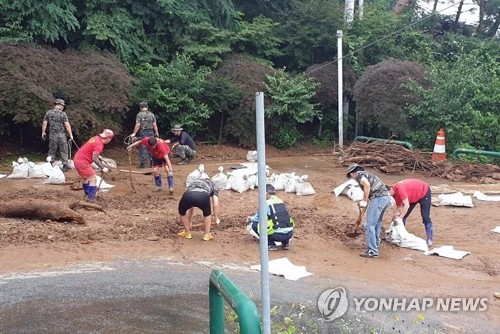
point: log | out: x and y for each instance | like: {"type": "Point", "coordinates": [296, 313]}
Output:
{"type": "Point", "coordinates": [46, 210]}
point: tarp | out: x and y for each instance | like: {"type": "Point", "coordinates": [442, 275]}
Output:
{"type": "Point", "coordinates": [283, 267]}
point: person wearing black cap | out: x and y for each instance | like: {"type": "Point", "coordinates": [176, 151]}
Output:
{"type": "Point", "coordinates": [159, 151]}
{"type": "Point", "coordinates": [145, 126]}
{"type": "Point", "coordinates": [279, 224]}
{"type": "Point", "coordinates": [376, 200]}
{"type": "Point", "coordinates": [57, 120]}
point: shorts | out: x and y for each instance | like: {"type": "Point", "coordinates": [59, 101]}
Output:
{"type": "Point", "coordinates": [158, 162]}
{"type": "Point", "coordinates": [199, 199]}
{"type": "Point", "coordinates": [84, 169]}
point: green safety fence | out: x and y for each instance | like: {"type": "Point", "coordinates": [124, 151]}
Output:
{"type": "Point", "coordinates": [221, 288]}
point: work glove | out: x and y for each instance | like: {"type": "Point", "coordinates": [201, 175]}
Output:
{"type": "Point", "coordinates": [132, 136]}
{"type": "Point", "coordinates": [44, 136]}
{"type": "Point", "coordinates": [363, 204]}
{"type": "Point", "coordinates": [70, 137]}
{"type": "Point", "coordinates": [105, 170]}
{"type": "Point", "coordinates": [171, 173]}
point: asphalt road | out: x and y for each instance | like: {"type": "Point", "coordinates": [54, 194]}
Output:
{"type": "Point", "coordinates": [160, 296]}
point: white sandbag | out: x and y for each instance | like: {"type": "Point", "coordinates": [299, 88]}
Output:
{"type": "Point", "coordinates": [252, 182]}
{"type": "Point", "coordinates": [455, 199]}
{"type": "Point", "coordinates": [56, 176]}
{"type": "Point", "coordinates": [278, 181]}
{"type": "Point", "coordinates": [71, 164]}
{"type": "Point", "coordinates": [239, 184]}
{"type": "Point", "coordinates": [195, 174]}
{"type": "Point", "coordinates": [483, 197]}
{"type": "Point", "coordinates": [20, 170]}
{"type": "Point", "coordinates": [46, 168]}
{"type": "Point", "coordinates": [102, 185]}
{"type": "Point", "coordinates": [220, 179]}
{"type": "Point", "coordinates": [398, 235]}
{"type": "Point", "coordinates": [109, 163]}
{"type": "Point", "coordinates": [35, 171]}
{"type": "Point", "coordinates": [290, 183]}
{"type": "Point", "coordinates": [342, 189]}
{"type": "Point", "coordinates": [304, 189]}
{"type": "Point", "coordinates": [251, 156]}
{"type": "Point", "coordinates": [355, 193]}
{"type": "Point", "coordinates": [251, 231]}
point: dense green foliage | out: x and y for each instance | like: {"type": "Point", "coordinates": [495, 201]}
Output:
{"type": "Point", "coordinates": [200, 63]}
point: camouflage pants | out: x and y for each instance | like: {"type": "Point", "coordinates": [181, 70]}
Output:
{"type": "Point", "coordinates": [58, 141]}
{"type": "Point", "coordinates": [184, 151]}
{"type": "Point", "coordinates": [145, 157]}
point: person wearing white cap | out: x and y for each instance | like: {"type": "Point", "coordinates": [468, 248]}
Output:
{"type": "Point", "coordinates": [87, 154]}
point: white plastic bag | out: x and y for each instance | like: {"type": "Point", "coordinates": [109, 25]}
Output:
{"type": "Point", "coordinates": [240, 184]}
{"type": "Point", "coordinates": [56, 176]}
{"type": "Point", "coordinates": [195, 174]}
{"type": "Point", "coordinates": [355, 193]}
{"type": "Point", "coordinates": [35, 171]}
{"type": "Point", "coordinates": [290, 183]}
{"type": "Point", "coordinates": [20, 170]}
{"type": "Point", "coordinates": [398, 235]}
{"type": "Point", "coordinates": [220, 179]}
{"type": "Point", "coordinates": [304, 188]}
{"type": "Point", "coordinates": [251, 156]}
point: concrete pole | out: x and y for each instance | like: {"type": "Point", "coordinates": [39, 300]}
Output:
{"type": "Point", "coordinates": [360, 8]}
{"type": "Point", "coordinates": [349, 11]}
{"type": "Point", "coordinates": [262, 177]}
{"type": "Point", "coordinates": [340, 89]}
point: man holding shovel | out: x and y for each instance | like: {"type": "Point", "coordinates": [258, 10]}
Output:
{"type": "Point", "coordinates": [159, 150]}
{"type": "Point", "coordinates": [376, 200]}
{"type": "Point", "coordinates": [87, 154]}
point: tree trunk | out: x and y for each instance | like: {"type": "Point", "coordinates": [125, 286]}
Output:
{"type": "Point", "coordinates": [494, 28]}
{"type": "Point", "coordinates": [479, 29]}
{"type": "Point", "coordinates": [221, 128]}
{"type": "Point", "coordinates": [457, 17]}
{"type": "Point", "coordinates": [434, 8]}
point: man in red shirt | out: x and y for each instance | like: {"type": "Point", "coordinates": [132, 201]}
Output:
{"type": "Point", "coordinates": [407, 193]}
{"type": "Point", "coordinates": [159, 150]}
{"type": "Point", "coordinates": [87, 154]}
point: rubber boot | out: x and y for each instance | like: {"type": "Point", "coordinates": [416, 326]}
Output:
{"type": "Point", "coordinates": [429, 231]}
{"type": "Point", "coordinates": [158, 182]}
{"type": "Point", "coordinates": [92, 193]}
{"type": "Point", "coordinates": [86, 189]}
{"type": "Point", "coordinates": [170, 180]}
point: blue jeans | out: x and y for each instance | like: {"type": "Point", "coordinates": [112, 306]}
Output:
{"type": "Point", "coordinates": [425, 211]}
{"type": "Point", "coordinates": [374, 215]}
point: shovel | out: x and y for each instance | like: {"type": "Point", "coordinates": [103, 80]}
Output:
{"type": "Point", "coordinates": [357, 223]}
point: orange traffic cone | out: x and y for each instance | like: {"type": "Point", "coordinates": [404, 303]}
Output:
{"type": "Point", "coordinates": [439, 153]}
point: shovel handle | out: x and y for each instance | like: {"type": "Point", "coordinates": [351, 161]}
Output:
{"type": "Point", "coordinates": [358, 220]}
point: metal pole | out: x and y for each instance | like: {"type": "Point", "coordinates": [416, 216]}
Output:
{"type": "Point", "coordinates": [264, 256]}
{"type": "Point", "coordinates": [340, 90]}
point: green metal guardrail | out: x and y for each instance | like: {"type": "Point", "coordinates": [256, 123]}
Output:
{"type": "Point", "coordinates": [476, 152]}
{"type": "Point", "coordinates": [220, 288]}
{"type": "Point", "coordinates": [388, 141]}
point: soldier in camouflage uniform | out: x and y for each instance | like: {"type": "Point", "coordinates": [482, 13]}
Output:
{"type": "Point", "coordinates": [57, 120]}
{"type": "Point", "coordinates": [376, 193]}
{"type": "Point", "coordinates": [145, 126]}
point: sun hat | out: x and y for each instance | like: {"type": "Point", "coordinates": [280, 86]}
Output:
{"type": "Point", "coordinates": [353, 168]}
{"type": "Point", "coordinates": [60, 101]}
{"type": "Point", "coordinates": [270, 189]}
{"type": "Point", "coordinates": [143, 104]}
{"type": "Point", "coordinates": [107, 133]}
{"type": "Point", "coordinates": [152, 141]}
{"type": "Point", "coordinates": [177, 127]}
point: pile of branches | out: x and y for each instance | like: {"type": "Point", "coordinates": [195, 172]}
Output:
{"type": "Point", "coordinates": [393, 158]}
{"type": "Point", "coordinates": [386, 157]}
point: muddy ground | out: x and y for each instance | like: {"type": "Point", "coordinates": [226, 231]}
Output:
{"type": "Point", "coordinates": [143, 224]}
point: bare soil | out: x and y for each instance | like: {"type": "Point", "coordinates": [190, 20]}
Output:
{"type": "Point", "coordinates": [143, 224]}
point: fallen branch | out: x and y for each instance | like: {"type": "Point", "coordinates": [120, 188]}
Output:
{"type": "Point", "coordinates": [46, 210]}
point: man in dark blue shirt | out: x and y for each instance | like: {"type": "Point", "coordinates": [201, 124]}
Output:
{"type": "Point", "coordinates": [186, 148]}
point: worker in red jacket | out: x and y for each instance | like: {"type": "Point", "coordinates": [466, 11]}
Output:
{"type": "Point", "coordinates": [407, 193]}
{"type": "Point", "coordinates": [159, 151]}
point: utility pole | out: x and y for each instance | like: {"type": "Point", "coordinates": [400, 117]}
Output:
{"type": "Point", "coordinates": [340, 89]}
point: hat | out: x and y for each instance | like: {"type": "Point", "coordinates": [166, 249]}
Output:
{"type": "Point", "coordinates": [177, 127]}
{"type": "Point", "coordinates": [60, 101]}
{"type": "Point", "coordinates": [107, 133]}
{"type": "Point", "coordinates": [270, 189]}
{"type": "Point", "coordinates": [152, 141]}
{"type": "Point", "coordinates": [353, 168]}
{"type": "Point", "coordinates": [143, 104]}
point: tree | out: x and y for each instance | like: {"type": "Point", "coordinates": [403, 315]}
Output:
{"type": "Point", "coordinates": [381, 96]}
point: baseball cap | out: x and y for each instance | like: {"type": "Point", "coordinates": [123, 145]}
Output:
{"type": "Point", "coordinates": [107, 133]}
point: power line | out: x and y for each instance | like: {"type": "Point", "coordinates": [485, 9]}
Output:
{"type": "Point", "coordinates": [382, 38]}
